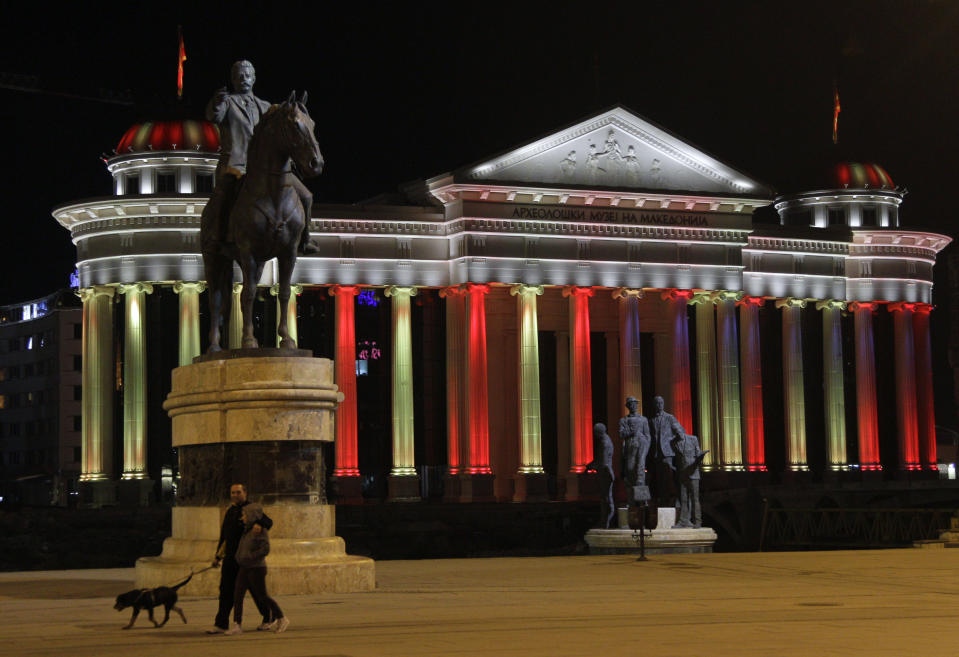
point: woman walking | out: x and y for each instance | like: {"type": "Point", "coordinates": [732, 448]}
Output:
{"type": "Point", "coordinates": [251, 558]}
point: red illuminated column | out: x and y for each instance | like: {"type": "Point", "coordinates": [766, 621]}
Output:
{"type": "Point", "coordinates": [455, 378]}
{"type": "Point", "coordinates": [682, 402]}
{"type": "Point", "coordinates": [925, 409]}
{"type": "Point", "coordinates": [751, 382]}
{"type": "Point", "coordinates": [906, 386]}
{"type": "Point", "coordinates": [866, 387]}
{"type": "Point", "coordinates": [581, 385]}
{"type": "Point", "coordinates": [477, 390]}
{"type": "Point", "coordinates": [344, 372]}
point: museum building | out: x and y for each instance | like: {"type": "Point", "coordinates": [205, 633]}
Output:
{"type": "Point", "coordinates": [481, 321]}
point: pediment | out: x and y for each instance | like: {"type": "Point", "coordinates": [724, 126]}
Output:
{"type": "Point", "coordinates": [615, 149]}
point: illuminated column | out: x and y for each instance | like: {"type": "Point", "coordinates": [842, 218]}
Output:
{"type": "Point", "coordinates": [403, 480]}
{"type": "Point", "coordinates": [706, 378]}
{"type": "Point", "coordinates": [97, 377]}
{"type": "Point", "coordinates": [530, 425]}
{"type": "Point", "coordinates": [134, 381]}
{"type": "Point", "coordinates": [866, 387]}
{"type": "Point", "coordinates": [477, 384]}
{"type": "Point", "coordinates": [682, 403]}
{"type": "Point", "coordinates": [236, 318]}
{"type": "Point", "coordinates": [456, 446]}
{"type": "Point", "coordinates": [795, 402]}
{"type": "Point", "coordinates": [189, 319]}
{"type": "Point", "coordinates": [751, 384]}
{"type": "Point", "coordinates": [344, 374]}
{"type": "Point", "coordinates": [906, 420]}
{"type": "Point", "coordinates": [833, 384]}
{"type": "Point", "coordinates": [630, 372]}
{"type": "Point", "coordinates": [730, 412]}
{"type": "Point", "coordinates": [925, 409]}
{"type": "Point", "coordinates": [295, 290]}
{"type": "Point", "coordinates": [581, 384]}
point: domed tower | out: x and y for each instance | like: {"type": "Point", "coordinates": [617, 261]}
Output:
{"type": "Point", "coordinates": [851, 194]}
{"type": "Point", "coordinates": [142, 242]}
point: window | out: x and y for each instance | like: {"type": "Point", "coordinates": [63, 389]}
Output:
{"type": "Point", "coordinates": [131, 184]}
{"type": "Point", "coordinates": [166, 182]}
{"type": "Point", "coordinates": [204, 183]}
{"type": "Point", "coordinates": [14, 429]}
{"type": "Point", "coordinates": [77, 331]}
{"type": "Point", "coordinates": [28, 370]}
{"type": "Point", "coordinates": [78, 363]}
{"type": "Point", "coordinates": [837, 216]}
{"type": "Point", "coordinates": [78, 423]}
{"type": "Point", "coordinates": [3, 401]}
{"type": "Point", "coordinates": [77, 393]}
{"type": "Point", "coordinates": [869, 216]}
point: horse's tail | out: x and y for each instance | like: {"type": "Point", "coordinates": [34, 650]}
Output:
{"type": "Point", "coordinates": [183, 583]}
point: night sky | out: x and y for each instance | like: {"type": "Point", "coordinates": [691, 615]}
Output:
{"type": "Point", "coordinates": [410, 90]}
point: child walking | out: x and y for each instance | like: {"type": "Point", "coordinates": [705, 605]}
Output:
{"type": "Point", "coordinates": [251, 558]}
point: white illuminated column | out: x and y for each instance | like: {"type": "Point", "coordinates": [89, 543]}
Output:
{"type": "Point", "coordinates": [530, 424]}
{"type": "Point", "coordinates": [795, 401]}
{"type": "Point", "coordinates": [236, 317]}
{"type": "Point", "coordinates": [97, 376]}
{"type": "Point", "coordinates": [833, 384]}
{"type": "Point", "coordinates": [706, 378]}
{"type": "Point", "coordinates": [189, 319]}
{"type": "Point", "coordinates": [630, 370]}
{"type": "Point", "coordinates": [730, 410]}
{"type": "Point", "coordinates": [403, 473]}
{"type": "Point", "coordinates": [295, 290]}
{"type": "Point", "coordinates": [680, 389]}
{"type": "Point", "coordinates": [134, 381]}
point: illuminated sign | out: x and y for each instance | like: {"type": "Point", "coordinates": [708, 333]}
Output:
{"type": "Point", "coordinates": [368, 298]}
{"type": "Point", "coordinates": [367, 350]}
{"type": "Point", "coordinates": [75, 279]}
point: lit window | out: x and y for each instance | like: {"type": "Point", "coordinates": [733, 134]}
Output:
{"type": "Point", "coordinates": [3, 401]}
{"type": "Point", "coordinates": [30, 342]}
{"type": "Point", "coordinates": [362, 367]}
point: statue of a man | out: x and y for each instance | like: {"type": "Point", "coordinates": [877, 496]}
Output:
{"type": "Point", "coordinates": [663, 427]}
{"type": "Point", "coordinates": [634, 431]}
{"type": "Point", "coordinates": [602, 463]}
{"type": "Point", "coordinates": [687, 459]}
{"type": "Point", "coordinates": [237, 114]}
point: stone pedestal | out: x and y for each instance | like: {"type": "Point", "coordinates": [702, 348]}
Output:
{"type": "Point", "coordinates": [135, 492]}
{"type": "Point", "coordinates": [476, 488]}
{"type": "Point", "coordinates": [346, 490]}
{"type": "Point", "coordinates": [662, 540]}
{"type": "Point", "coordinates": [403, 488]}
{"type": "Point", "coordinates": [531, 487]}
{"type": "Point", "coordinates": [98, 493]}
{"type": "Point", "coordinates": [581, 486]}
{"type": "Point", "coordinates": [260, 421]}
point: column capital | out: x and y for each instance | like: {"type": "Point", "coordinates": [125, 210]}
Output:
{"type": "Point", "coordinates": [900, 306]}
{"type": "Point", "coordinates": [830, 304]}
{"type": "Point", "coordinates": [671, 294]}
{"type": "Point", "coordinates": [344, 290]}
{"type": "Point", "coordinates": [189, 286]}
{"type": "Point", "coordinates": [791, 302]}
{"type": "Point", "coordinates": [747, 300]}
{"type": "Point", "coordinates": [294, 289]}
{"type": "Point", "coordinates": [575, 290]}
{"type": "Point", "coordinates": [481, 288]}
{"type": "Point", "coordinates": [718, 296]}
{"type": "Point", "coordinates": [96, 291]}
{"type": "Point", "coordinates": [525, 290]}
{"type": "Point", "coordinates": [699, 296]}
{"type": "Point", "coordinates": [856, 306]}
{"type": "Point", "coordinates": [237, 287]}
{"type": "Point", "coordinates": [924, 308]}
{"type": "Point", "coordinates": [451, 291]}
{"type": "Point", "coordinates": [146, 288]}
{"type": "Point", "coordinates": [400, 291]}
{"type": "Point", "coordinates": [626, 293]}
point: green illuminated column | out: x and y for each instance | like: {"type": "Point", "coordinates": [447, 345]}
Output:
{"type": "Point", "coordinates": [795, 402]}
{"type": "Point", "coordinates": [134, 381]}
{"type": "Point", "coordinates": [97, 377]}
{"type": "Point", "coordinates": [189, 319]}
{"type": "Point", "coordinates": [730, 410]}
{"type": "Point", "coordinates": [404, 483]}
{"type": "Point", "coordinates": [236, 318]}
{"type": "Point", "coordinates": [630, 372]}
{"type": "Point", "coordinates": [530, 426]}
{"type": "Point", "coordinates": [706, 377]}
{"type": "Point", "coordinates": [295, 290]}
{"type": "Point", "coordinates": [833, 384]}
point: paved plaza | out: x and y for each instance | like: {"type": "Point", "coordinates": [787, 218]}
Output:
{"type": "Point", "coordinates": [888, 602]}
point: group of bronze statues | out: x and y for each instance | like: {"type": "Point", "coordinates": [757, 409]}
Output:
{"type": "Point", "coordinates": [674, 469]}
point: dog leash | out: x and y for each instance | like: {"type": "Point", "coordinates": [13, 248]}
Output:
{"type": "Point", "coordinates": [197, 572]}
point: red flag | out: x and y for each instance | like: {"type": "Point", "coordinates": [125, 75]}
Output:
{"type": "Point", "coordinates": [181, 57]}
{"type": "Point", "coordinates": [835, 114]}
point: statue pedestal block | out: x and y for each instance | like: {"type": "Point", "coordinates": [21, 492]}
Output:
{"type": "Point", "coordinates": [404, 488]}
{"type": "Point", "coordinates": [135, 492]}
{"type": "Point", "coordinates": [531, 487]}
{"type": "Point", "coordinates": [347, 490]}
{"type": "Point", "coordinates": [260, 421]}
{"type": "Point", "coordinates": [658, 541]}
{"type": "Point", "coordinates": [581, 486]}
{"type": "Point", "coordinates": [475, 488]}
{"type": "Point", "coordinates": [97, 493]}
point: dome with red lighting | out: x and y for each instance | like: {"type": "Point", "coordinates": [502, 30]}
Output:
{"type": "Point", "coordinates": [180, 135]}
{"type": "Point", "coordinates": [855, 175]}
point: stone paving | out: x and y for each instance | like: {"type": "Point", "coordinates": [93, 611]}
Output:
{"type": "Point", "coordinates": [888, 602]}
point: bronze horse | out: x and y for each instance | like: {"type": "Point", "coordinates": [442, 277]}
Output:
{"type": "Point", "coordinates": [266, 219]}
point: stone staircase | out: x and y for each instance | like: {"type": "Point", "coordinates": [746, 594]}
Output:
{"type": "Point", "coordinates": [947, 539]}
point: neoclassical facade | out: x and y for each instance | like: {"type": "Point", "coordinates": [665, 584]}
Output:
{"type": "Point", "coordinates": [521, 299]}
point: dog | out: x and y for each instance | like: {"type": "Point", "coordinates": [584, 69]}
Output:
{"type": "Point", "coordinates": [150, 598]}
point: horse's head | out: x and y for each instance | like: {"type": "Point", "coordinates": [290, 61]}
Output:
{"type": "Point", "coordinates": [304, 149]}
